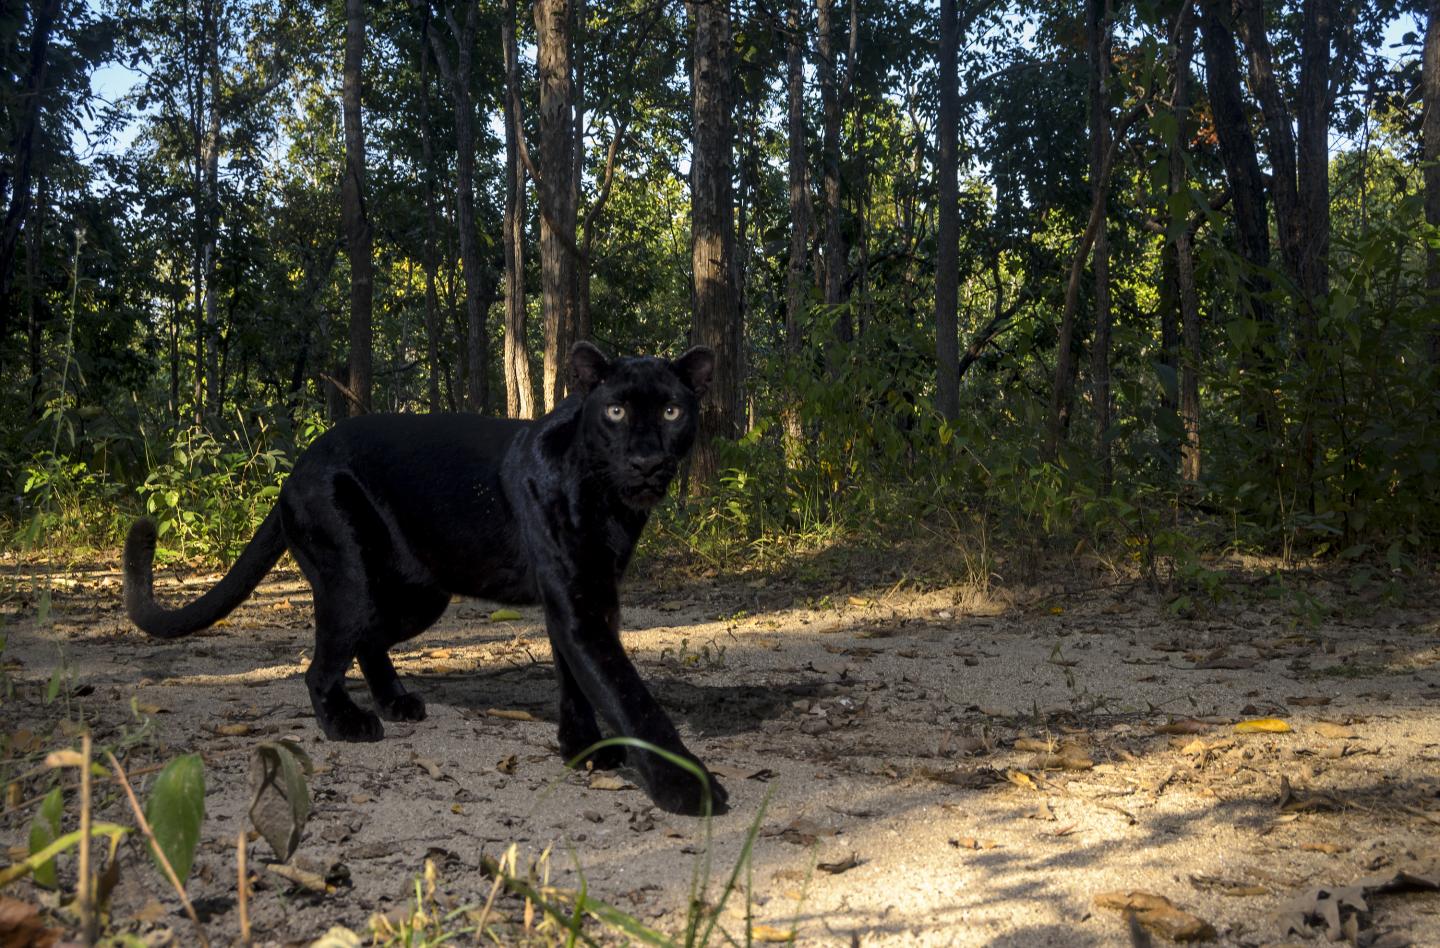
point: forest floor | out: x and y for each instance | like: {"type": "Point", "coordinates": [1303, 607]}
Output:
{"type": "Point", "coordinates": [938, 765]}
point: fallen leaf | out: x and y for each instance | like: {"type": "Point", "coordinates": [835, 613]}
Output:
{"type": "Point", "coordinates": [1032, 744]}
{"type": "Point", "coordinates": [802, 831]}
{"type": "Point", "coordinates": [1335, 732]}
{"type": "Point", "coordinates": [1330, 849]}
{"type": "Point", "coordinates": [1021, 779]}
{"type": "Point", "coordinates": [303, 878]}
{"type": "Point", "coordinates": [1069, 760]}
{"type": "Point", "coordinates": [506, 765]}
{"type": "Point", "coordinates": [860, 601]}
{"type": "Point", "coordinates": [1262, 726]}
{"type": "Point", "coordinates": [279, 794]}
{"type": "Point", "coordinates": [604, 781]}
{"type": "Point", "coordinates": [771, 934]}
{"type": "Point", "coordinates": [1309, 701]}
{"type": "Point", "coordinates": [1159, 915]}
{"type": "Point", "coordinates": [429, 766]}
{"type": "Point", "coordinates": [233, 730]}
{"type": "Point", "coordinates": [22, 927]}
{"type": "Point", "coordinates": [1333, 906]}
{"type": "Point", "coordinates": [505, 615]}
{"type": "Point", "coordinates": [843, 865]}
{"type": "Point", "coordinates": [1183, 726]}
{"type": "Point", "coordinates": [510, 715]}
{"type": "Point", "coordinates": [1292, 801]}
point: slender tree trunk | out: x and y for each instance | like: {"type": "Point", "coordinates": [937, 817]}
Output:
{"type": "Point", "coordinates": [716, 308]}
{"type": "Point", "coordinates": [582, 327]}
{"type": "Point", "coordinates": [947, 252]}
{"type": "Point", "coordinates": [214, 386]}
{"type": "Point", "coordinates": [833, 269]}
{"type": "Point", "coordinates": [34, 240]}
{"type": "Point", "coordinates": [1101, 16]}
{"type": "Point", "coordinates": [356, 221]}
{"type": "Point", "coordinates": [15, 177]}
{"type": "Point", "coordinates": [1181, 254]}
{"type": "Point", "coordinates": [431, 262]}
{"type": "Point", "coordinates": [1430, 134]}
{"type": "Point", "coordinates": [519, 390]}
{"type": "Point", "coordinates": [795, 288]}
{"type": "Point", "coordinates": [555, 190]}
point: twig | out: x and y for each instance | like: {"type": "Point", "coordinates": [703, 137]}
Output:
{"type": "Point", "coordinates": [244, 897]}
{"type": "Point", "coordinates": [344, 389]}
{"type": "Point", "coordinates": [164, 861]}
{"type": "Point", "coordinates": [84, 891]}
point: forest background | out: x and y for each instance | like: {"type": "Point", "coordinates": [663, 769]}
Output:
{"type": "Point", "coordinates": [1155, 277]}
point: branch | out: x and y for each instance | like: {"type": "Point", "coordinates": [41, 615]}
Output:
{"type": "Point", "coordinates": [344, 389]}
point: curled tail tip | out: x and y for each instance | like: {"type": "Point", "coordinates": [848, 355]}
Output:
{"type": "Point", "coordinates": [140, 542]}
{"type": "Point", "coordinates": [138, 564]}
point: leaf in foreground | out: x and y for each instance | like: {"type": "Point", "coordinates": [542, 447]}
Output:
{"type": "Point", "coordinates": [1158, 914]}
{"type": "Point", "coordinates": [44, 831]}
{"type": "Point", "coordinates": [175, 811]}
{"type": "Point", "coordinates": [279, 795]}
{"type": "Point", "coordinates": [1263, 726]}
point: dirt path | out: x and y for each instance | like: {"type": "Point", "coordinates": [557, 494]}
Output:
{"type": "Point", "coordinates": [962, 770]}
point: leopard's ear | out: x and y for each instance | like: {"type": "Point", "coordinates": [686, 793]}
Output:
{"type": "Point", "coordinates": [588, 367]}
{"type": "Point", "coordinates": [696, 368]}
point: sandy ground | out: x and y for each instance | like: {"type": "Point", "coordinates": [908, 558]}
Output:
{"type": "Point", "coordinates": [939, 767]}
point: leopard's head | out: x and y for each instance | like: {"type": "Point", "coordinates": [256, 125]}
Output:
{"type": "Point", "coordinates": [639, 417]}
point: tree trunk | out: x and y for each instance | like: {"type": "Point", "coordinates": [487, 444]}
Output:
{"type": "Point", "coordinates": [431, 262]}
{"type": "Point", "coordinates": [833, 269]}
{"type": "Point", "coordinates": [211, 251]}
{"type": "Point", "coordinates": [555, 191]}
{"type": "Point", "coordinates": [947, 252]}
{"type": "Point", "coordinates": [1100, 18]}
{"type": "Point", "coordinates": [356, 222]}
{"type": "Point", "coordinates": [519, 391]}
{"type": "Point", "coordinates": [1180, 254]}
{"type": "Point", "coordinates": [15, 178]}
{"type": "Point", "coordinates": [716, 309]}
{"type": "Point", "coordinates": [1249, 211]}
{"type": "Point", "coordinates": [795, 289]}
{"type": "Point", "coordinates": [1430, 145]}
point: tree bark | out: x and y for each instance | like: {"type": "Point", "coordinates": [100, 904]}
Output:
{"type": "Point", "coordinates": [16, 183]}
{"type": "Point", "coordinates": [833, 267]}
{"type": "Point", "coordinates": [558, 282]}
{"type": "Point", "coordinates": [431, 262]}
{"type": "Point", "coordinates": [716, 311]}
{"type": "Point", "coordinates": [795, 286]}
{"type": "Point", "coordinates": [355, 220]}
{"type": "Point", "coordinates": [215, 14]}
{"type": "Point", "coordinates": [1180, 254]}
{"type": "Point", "coordinates": [519, 391]}
{"type": "Point", "coordinates": [947, 253]}
{"type": "Point", "coordinates": [1100, 18]}
{"type": "Point", "coordinates": [1430, 144]}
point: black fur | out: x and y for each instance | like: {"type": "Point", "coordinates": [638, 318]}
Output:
{"type": "Point", "coordinates": [389, 515]}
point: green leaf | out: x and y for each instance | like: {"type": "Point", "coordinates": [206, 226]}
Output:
{"type": "Point", "coordinates": [504, 615]}
{"type": "Point", "coordinates": [28, 865]}
{"type": "Point", "coordinates": [279, 795]}
{"type": "Point", "coordinates": [45, 830]}
{"type": "Point", "coordinates": [176, 809]}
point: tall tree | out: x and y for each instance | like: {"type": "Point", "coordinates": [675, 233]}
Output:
{"type": "Point", "coordinates": [947, 250]}
{"type": "Point", "coordinates": [799, 190]}
{"type": "Point", "coordinates": [519, 391]}
{"type": "Point", "coordinates": [430, 262]}
{"type": "Point", "coordinates": [356, 221]}
{"type": "Point", "coordinates": [1430, 149]}
{"type": "Point", "coordinates": [556, 192]}
{"type": "Point", "coordinates": [716, 312]}
{"type": "Point", "coordinates": [1180, 251]}
{"type": "Point", "coordinates": [457, 75]}
{"type": "Point", "coordinates": [1100, 18]}
{"type": "Point", "coordinates": [833, 256]}
{"type": "Point", "coordinates": [15, 176]}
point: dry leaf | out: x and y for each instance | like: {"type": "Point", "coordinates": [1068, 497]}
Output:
{"type": "Point", "coordinates": [1032, 744]}
{"type": "Point", "coordinates": [1021, 779]}
{"type": "Point", "coordinates": [22, 927]}
{"type": "Point", "coordinates": [604, 781]}
{"type": "Point", "coordinates": [308, 880]}
{"type": "Point", "coordinates": [1159, 915]}
{"type": "Point", "coordinates": [1292, 801]}
{"type": "Point", "coordinates": [1327, 848]}
{"type": "Point", "coordinates": [1262, 726]}
{"type": "Point", "coordinates": [1309, 701]}
{"type": "Point", "coordinates": [233, 730]}
{"type": "Point", "coordinates": [510, 715]}
{"type": "Point", "coordinates": [429, 766]}
{"type": "Point", "coordinates": [771, 934]}
{"type": "Point", "coordinates": [843, 865]}
{"type": "Point", "coordinates": [802, 832]}
{"type": "Point", "coordinates": [1183, 726]}
{"type": "Point", "coordinates": [1335, 732]}
{"type": "Point", "coordinates": [506, 765]}
{"type": "Point", "coordinates": [1070, 759]}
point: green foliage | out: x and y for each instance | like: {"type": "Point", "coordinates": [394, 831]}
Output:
{"type": "Point", "coordinates": [280, 794]}
{"type": "Point", "coordinates": [175, 811]}
{"type": "Point", "coordinates": [44, 830]}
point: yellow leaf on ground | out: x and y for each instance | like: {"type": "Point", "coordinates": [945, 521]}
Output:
{"type": "Point", "coordinates": [769, 933]}
{"type": "Point", "coordinates": [1263, 726]}
{"type": "Point", "coordinates": [504, 615]}
{"type": "Point", "coordinates": [510, 715]}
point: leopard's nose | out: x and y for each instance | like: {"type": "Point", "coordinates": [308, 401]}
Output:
{"type": "Point", "coordinates": [647, 465]}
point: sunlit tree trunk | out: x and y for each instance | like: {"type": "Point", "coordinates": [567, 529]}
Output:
{"type": "Point", "coordinates": [356, 222]}
{"type": "Point", "coordinates": [947, 252]}
{"type": "Point", "coordinates": [519, 390]}
{"type": "Point", "coordinates": [215, 14]}
{"type": "Point", "coordinates": [716, 308]}
{"type": "Point", "coordinates": [795, 286]}
{"type": "Point", "coordinates": [555, 191]}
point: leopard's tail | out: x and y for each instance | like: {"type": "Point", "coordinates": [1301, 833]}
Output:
{"type": "Point", "coordinates": [262, 552]}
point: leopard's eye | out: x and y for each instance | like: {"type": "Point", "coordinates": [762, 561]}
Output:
{"type": "Point", "coordinates": [615, 412]}
{"type": "Point", "coordinates": [672, 413]}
